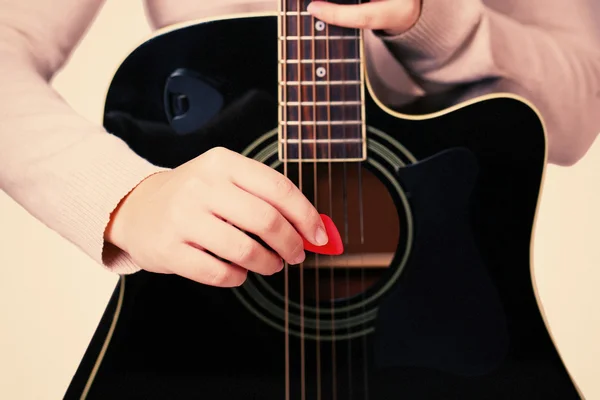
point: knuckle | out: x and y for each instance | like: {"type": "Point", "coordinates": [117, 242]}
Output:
{"type": "Point", "coordinates": [247, 252]}
{"type": "Point", "coordinates": [270, 219]}
{"type": "Point", "coordinates": [215, 156]}
{"type": "Point", "coordinates": [217, 151]}
{"type": "Point", "coordinates": [311, 215]}
{"type": "Point", "coordinates": [227, 277]}
{"type": "Point", "coordinates": [285, 187]}
{"type": "Point", "coordinates": [220, 277]}
{"type": "Point", "coordinates": [297, 246]}
{"type": "Point", "coordinates": [364, 20]}
{"type": "Point", "coordinates": [333, 17]}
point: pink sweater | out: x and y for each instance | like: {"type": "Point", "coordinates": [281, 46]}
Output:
{"type": "Point", "coordinates": [70, 174]}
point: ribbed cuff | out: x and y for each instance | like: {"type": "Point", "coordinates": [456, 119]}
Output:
{"type": "Point", "coordinates": [441, 29]}
{"type": "Point", "coordinates": [110, 171]}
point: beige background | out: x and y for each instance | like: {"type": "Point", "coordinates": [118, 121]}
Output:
{"type": "Point", "coordinates": [52, 296]}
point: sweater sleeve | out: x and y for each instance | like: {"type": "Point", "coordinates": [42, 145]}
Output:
{"type": "Point", "coordinates": [547, 51]}
{"type": "Point", "coordinates": [66, 171]}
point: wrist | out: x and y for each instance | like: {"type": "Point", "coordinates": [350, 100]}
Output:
{"type": "Point", "coordinates": [113, 233]}
{"type": "Point", "coordinates": [117, 227]}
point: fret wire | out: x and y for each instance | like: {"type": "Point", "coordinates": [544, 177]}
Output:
{"type": "Point", "coordinates": [313, 111]}
{"type": "Point", "coordinates": [325, 160]}
{"type": "Point", "coordinates": [323, 131]}
{"type": "Point", "coordinates": [294, 13]}
{"type": "Point", "coordinates": [321, 103]}
{"type": "Point", "coordinates": [322, 60]}
{"type": "Point", "coordinates": [322, 92]}
{"type": "Point", "coordinates": [324, 38]}
{"type": "Point", "coordinates": [333, 122]}
{"type": "Point", "coordinates": [296, 83]}
{"type": "Point", "coordinates": [323, 140]}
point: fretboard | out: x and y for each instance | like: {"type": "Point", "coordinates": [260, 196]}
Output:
{"type": "Point", "coordinates": [321, 87]}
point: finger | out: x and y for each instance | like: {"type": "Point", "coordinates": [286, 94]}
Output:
{"type": "Point", "coordinates": [228, 242]}
{"type": "Point", "coordinates": [269, 185]}
{"type": "Point", "coordinates": [256, 216]}
{"type": "Point", "coordinates": [201, 267]}
{"type": "Point", "coordinates": [391, 15]}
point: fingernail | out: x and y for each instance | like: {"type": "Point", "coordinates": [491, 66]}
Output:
{"type": "Point", "coordinates": [312, 6]}
{"type": "Point", "coordinates": [300, 259]}
{"type": "Point", "coordinates": [321, 236]}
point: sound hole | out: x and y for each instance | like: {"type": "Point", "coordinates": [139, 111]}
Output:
{"type": "Point", "coordinates": [366, 216]}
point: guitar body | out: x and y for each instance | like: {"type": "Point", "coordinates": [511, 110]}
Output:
{"type": "Point", "coordinates": [453, 316]}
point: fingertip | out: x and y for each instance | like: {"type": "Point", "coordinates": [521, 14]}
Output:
{"type": "Point", "coordinates": [299, 259]}
{"type": "Point", "coordinates": [241, 274]}
{"type": "Point", "coordinates": [314, 7]}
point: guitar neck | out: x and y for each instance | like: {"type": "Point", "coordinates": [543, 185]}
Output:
{"type": "Point", "coordinates": [321, 88]}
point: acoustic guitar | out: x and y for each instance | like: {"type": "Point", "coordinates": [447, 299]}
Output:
{"type": "Point", "coordinates": [433, 297]}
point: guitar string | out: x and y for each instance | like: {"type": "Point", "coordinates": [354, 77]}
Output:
{"type": "Point", "coordinates": [341, 46]}
{"type": "Point", "coordinates": [360, 68]}
{"type": "Point", "coordinates": [284, 94]}
{"type": "Point", "coordinates": [316, 204]}
{"type": "Point", "coordinates": [330, 190]}
{"type": "Point", "coordinates": [299, 35]}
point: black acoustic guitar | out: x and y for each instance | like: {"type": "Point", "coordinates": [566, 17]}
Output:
{"type": "Point", "coordinates": [433, 297]}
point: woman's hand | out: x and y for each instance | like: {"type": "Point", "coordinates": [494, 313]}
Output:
{"type": "Point", "coordinates": [186, 221]}
{"type": "Point", "coordinates": [391, 16]}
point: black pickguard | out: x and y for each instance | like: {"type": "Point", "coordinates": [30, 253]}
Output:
{"type": "Point", "coordinates": [461, 322]}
